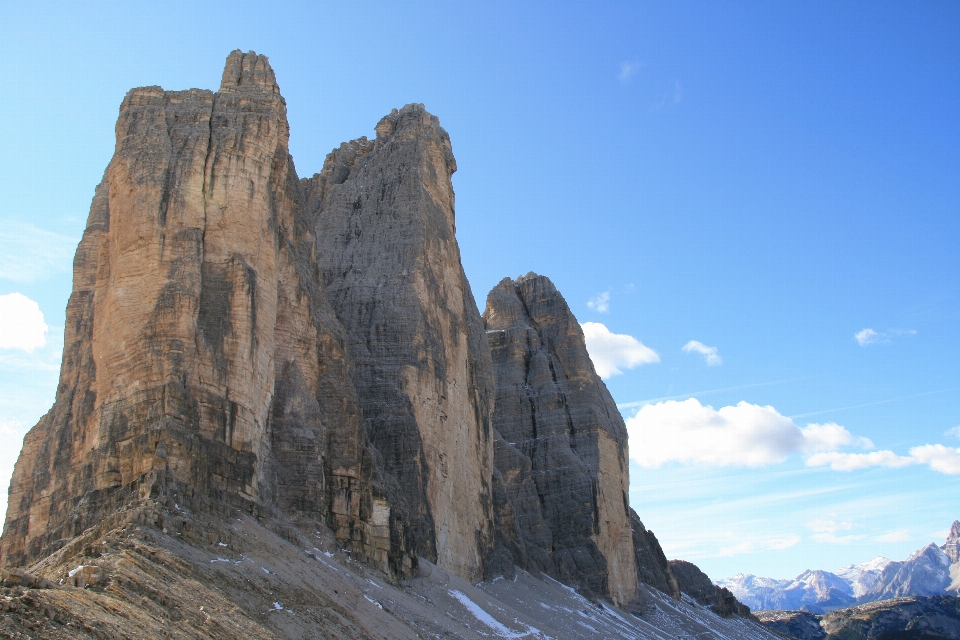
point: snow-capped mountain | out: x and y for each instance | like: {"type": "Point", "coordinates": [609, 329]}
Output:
{"type": "Point", "coordinates": [932, 570]}
{"type": "Point", "coordinates": [862, 577]}
{"type": "Point", "coordinates": [925, 573]}
{"type": "Point", "coordinates": [813, 590]}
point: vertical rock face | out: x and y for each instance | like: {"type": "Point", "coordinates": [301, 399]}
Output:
{"type": "Point", "coordinates": [198, 344]}
{"type": "Point", "coordinates": [698, 586]}
{"type": "Point", "coordinates": [952, 546]}
{"type": "Point", "coordinates": [652, 566]}
{"type": "Point", "coordinates": [561, 454]}
{"type": "Point", "coordinates": [390, 263]}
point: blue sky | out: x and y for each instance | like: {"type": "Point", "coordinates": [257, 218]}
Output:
{"type": "Point", "coordinates": [741, 189]}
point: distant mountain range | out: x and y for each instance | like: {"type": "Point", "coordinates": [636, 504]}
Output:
{"type": "Point", "coordinates": [932, 570]}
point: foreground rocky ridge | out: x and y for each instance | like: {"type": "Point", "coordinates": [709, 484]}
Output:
{"type": "Point", "coordinates": [208, 577]}
{"type": "Point", "coordinates": [307, 357]}
{"type": "Point", "coordinates": [913, 618]}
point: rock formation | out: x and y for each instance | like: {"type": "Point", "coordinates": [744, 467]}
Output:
{"type": "Point", "coordinates": [201, 359]}
{"type": "Point", "coordinates": [952, 546]}
{"type": "Point", "coordinates": [698, 586]}
{"type": "Point", "coordinates": [561, 451]}
{"type": "Point", "coordinates": [389, 261]}
{"type": "Point", "coordinates": [240, 342]}
{"type": "Point", "coordinates": [925, 573]}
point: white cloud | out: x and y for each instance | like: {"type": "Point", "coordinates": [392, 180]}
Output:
{"type": "Point", "coordinates": [29, 253]}
{"type": "Point", "coordinates": [628, 69]}
{"type": "Point", "coordinates": [852, 461]}
{"type": "Point", "coordinates": [21, 323]}
{"type": "Point", "coordinates": [940, 458]}
{"type": "Point", "coordinates": [709, 353]}
{"type": "Point", "coordinates": [830, 437]}
{"type": "Point", "coordinates": [750, 435]}
{"type": "Point", "coordinates": [901, 535]}
{"type": "Point", "coordinates": [743, 435]}
{"type": "Point", "coordinates": [955, 432]}
{"type": "Point", "coordinates": [677, 92]}
{"type": "Point", "coordinates": [740, 545]}
{"type": "Point", "coordinates": [867, 337]}
{"type": "Point", "coordinates": [826, 531]}
{"type": "Point", "coordinates": [601, 303]}
{"type": "Point", "coordinates": [611, 351]}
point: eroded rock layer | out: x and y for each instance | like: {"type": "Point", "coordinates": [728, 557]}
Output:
{"type": "Point", "coordinates": [561, 450]}
{"type": "Point", "coordinates": [201, 359]}
{"type": "Point", "coordinates": [390, 263]}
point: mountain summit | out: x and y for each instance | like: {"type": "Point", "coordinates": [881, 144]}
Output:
{"type": "Point", "coordinates": [262, 372]}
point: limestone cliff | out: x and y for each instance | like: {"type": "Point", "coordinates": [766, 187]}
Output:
{"type": "Point", "coordinates": [698, 586]}
{"type": "Point", "coordinates": [201, 359]}
{"type": "Point", "coordinates": [561, 454]}
{"type": "Point", "coordinates": [310, 352]}
{"type": "Point", "coordinates": [390, 263]}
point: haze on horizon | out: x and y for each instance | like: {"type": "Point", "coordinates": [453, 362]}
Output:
{"type": "Point", "coordinates": [752, 210]}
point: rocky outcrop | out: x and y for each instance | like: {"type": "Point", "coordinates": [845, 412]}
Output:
{"type": "Point", "coordinates": [925, 573]}
{"type": "Point", "coordinates": [652, 566]}
{"type": "Point", "coordinates": [561, 450]}
{"type": "Point", "coordinates": [389, 260]}
{"type": "Point", "coordinates": [801, 625]}
{"type": "Point", "coordinates": [934, 618]}
{"type": "Point", "coordinates": [201, 360]}
{"type": "Point", "coordinates": [698, 586]}
{"type": "Point", "coordinates": [952, 546]}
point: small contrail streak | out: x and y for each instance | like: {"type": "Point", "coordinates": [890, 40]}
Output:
{"type": "Point", "coordinates": [870, 404]}
{"type": "Point", "coordinates": [640, 403]}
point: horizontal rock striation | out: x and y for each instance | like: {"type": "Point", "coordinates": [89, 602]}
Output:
{"type": "Point", "coordinates": [561, 450]}
{"type": "Point", "coordinates": [310, 352]}
{"type": "Point", "coordinates": [389, 261]}
{"type": "Point", "coordinates": [201, 359]}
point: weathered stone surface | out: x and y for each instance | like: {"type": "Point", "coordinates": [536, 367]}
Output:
{"type": "Point", "coordinates": [952, 546]}
{"type": "Point", "coordinates": [652, 565]}
{"type": "Point", "coordinates": [698, 586]}
{"type": "Point", "coordinates": [201, 359]}
{"type": "Point", "coordinates": [913, 618]}
{"type": "Point", "coordinates": [562, 451]}
{"type": "Point", "coordinates": [801, 625]}
{"type": "Point", "coordinates": [390, 264]}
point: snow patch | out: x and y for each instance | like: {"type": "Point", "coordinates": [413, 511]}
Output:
{"type": "Point", "coordinates": [489, 620]}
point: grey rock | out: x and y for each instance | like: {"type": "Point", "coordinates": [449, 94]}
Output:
{"type": "Point", "coordinates": [913, 618]}
{"type": "Point", "coordinates": [389, 261]}
{"type": "Point", "coordinates": [801, 625]}
{"type": "Point", "coordinates": [652, 566]}
{"type": "Point", "coordinates": [925, 573]}
{"type": "Point", "coordinates": [952, 546]}
{"type": "Point", "coordinates": [561, 448]}
{"type": "Point", "coordinates": [697, 585]}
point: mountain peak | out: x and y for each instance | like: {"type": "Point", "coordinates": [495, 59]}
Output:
{"type": "Point", "coordinates": [952, 546]}
{"type": "Point", "coordinates": [248, 70]}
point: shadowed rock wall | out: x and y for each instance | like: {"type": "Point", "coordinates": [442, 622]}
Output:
{"type": "Point", "coordinates": [390, 264]}
{"type": "Point", "coordinates": [561, 454]}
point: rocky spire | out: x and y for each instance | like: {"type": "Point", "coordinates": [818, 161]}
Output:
{"type": "Point", "coordinates": [390, 263]}
{"type": "Point", "coordinates": [198, 344]}
{"type": "Point", "coordinates": [952, 546]}
{"type": "Point", "coordinates": [562, 447]}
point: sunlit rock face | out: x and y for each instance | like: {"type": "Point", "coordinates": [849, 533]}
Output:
{"type": "Point", "coordinates": [201, 358]}
{"type": "Point", "coordinates": [561, 454]}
